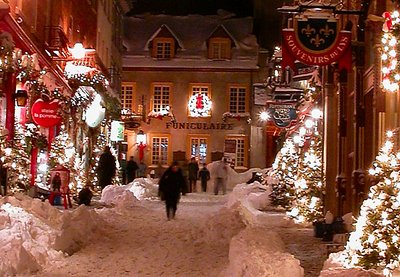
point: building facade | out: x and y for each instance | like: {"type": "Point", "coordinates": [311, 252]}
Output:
{"type": "Point", "coordinates": [187, 82]}
{"type": "Point", "coordinates": [38, 44]}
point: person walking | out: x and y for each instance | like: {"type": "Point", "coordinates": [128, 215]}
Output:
{"type": "Point", "coordinates": [204, 176]}
{"type": "Point", "coordinates": [106, 168]}
{"type": "Point", "coordinates": [142, 168]}
{"type": "Point", "coordinates": [131, 167]}
{"type": "Point", "coordinates": [193, 168]}
{"type": "Point", "coordinates": [221, 175]}
{"type": "Point", "coordinates": [170, 187]}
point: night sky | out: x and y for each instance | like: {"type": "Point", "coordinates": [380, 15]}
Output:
{"type": "Point", "coordinates": [184, 7]}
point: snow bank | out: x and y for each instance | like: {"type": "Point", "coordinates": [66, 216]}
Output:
{"type": "Point", "coordinates": [222, 226]}
{"type": "Point", "coordinates": [144, 188]}
{"type": "Point", "coordinates": [33, 233]}
{"type": "Point", "coordinates": [333, 268]}
{"type": "Point", "coordinates": [256, 194]}
{"type": "Point", "coordinates": [257, 252]}
{"type": "Point", "coordinates": [235, 178]}
{"type": "Point", "coordinates": [128, 195]}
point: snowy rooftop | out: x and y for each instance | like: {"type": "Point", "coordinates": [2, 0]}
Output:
{"type": "Point", "coordinates": [191, 33]}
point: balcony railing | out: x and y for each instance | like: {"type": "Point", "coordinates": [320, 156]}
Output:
{"type": "Point", "coordinates": [56, 42]}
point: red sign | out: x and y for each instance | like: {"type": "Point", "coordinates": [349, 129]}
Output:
{"type": "Point", "coordinates": [46, 114]}
{"type": "Point", "coordinates": [316, 42]}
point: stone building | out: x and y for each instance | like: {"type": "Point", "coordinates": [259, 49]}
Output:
{"type": "Point", "coordinates": [187, 81]}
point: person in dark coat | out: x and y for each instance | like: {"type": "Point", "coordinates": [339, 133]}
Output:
{"type": "Point", "coordinates": [131, 167]}
{"type": "Point", "coordinates": [106, 168]}
{"type": "Point", "coordinates": [170, 187]}
{"type": "Point", "coordinates": [85, 196]}
{"type": "Point", "coordinates": [204, 176]}
{"type": "Point", "coordinates": [56, 182]}
{"type": "Point", "coordinates": [193, 169]}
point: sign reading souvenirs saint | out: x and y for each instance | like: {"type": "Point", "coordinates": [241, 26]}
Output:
{"type": "Point", "coordinates": [316, 41]}
{"type": "Point", "coordinates": [46, 114]}
{"type": "Point", "coordinates": [282, 114]}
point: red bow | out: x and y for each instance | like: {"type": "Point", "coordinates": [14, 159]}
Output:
{"type": "Point", "coordinates": [388, 22]}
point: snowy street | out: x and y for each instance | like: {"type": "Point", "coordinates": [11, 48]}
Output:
{"type": "Point", "coordinates": [126, 233]}
{"type": "Point", "coordinates": [141, 242]}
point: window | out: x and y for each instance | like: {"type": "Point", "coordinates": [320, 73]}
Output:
{"type": "Point", "coordinates": [161, 97]}
{"type": "Point", "coordinates": [237, 147]}
{"type": "Point", "coordinates": [163, 48]}
{"type": "Point", "coordinates": [219, 49]}
{"type": "Point", "coordinates": [127, 96]}
{"type": "Point", "coordinates": [159, 150]}
{"type": "Point", "coordinates": [237, 99]}
{"type": "Point", "coordinates": [198, 148]}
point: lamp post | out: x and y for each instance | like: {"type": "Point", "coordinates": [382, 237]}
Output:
{"type": "Point", "coordinates": [141, 141]}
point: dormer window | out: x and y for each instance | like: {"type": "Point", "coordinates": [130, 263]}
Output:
{"type": "Point", "coordinates": [220, 44]}
{"type": "Point", "coordinates": [219, 49]}
{"type": "Point", "coordinates": [163, 48]}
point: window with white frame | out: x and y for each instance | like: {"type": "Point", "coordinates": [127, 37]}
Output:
{"type": "Point", "coordinates": [161, 97]}
{"type": "Point", "coordinates": [219, 49]}
{"type": "Point", "coordinates": [240, 152]}
{"type": "Point", "coordinates": [237, 99]}
{"type": "Point", "coordinates": [159, 151]}
{"type": "Point", "coordinates": [127, 97]}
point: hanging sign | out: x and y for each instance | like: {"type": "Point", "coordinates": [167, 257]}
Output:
{"type": "Point", "coordinates": [282, 114]}
{"type": "Point", "coordinates": [46, 114]}
{"type": "Point", "coordinates": [117, 131]}
{"type": "Point", "coordinates": [316, 41]}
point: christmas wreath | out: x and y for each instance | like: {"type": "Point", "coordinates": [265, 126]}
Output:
{"type": "Point", "coordinates": [199, 105]}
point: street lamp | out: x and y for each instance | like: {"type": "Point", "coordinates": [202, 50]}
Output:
{"type": "Point", "coordinates": [21, 97]}
{"type": "Point", "coordinates": [78, 51]}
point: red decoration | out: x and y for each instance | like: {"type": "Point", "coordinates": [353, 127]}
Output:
{"type": "Point", "coordinates": [388, 22]}
{"type": "Point", "coordinates": [46, 114]}
{"type": "Point", "coordinates": [141, 148]}
{"type": "Point", "coordinates": [199, 101]}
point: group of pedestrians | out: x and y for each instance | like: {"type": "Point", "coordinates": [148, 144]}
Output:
{"type": "Point", "coordinates": [172, 181]}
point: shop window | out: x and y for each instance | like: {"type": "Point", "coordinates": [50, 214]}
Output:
{"type": "Point", "coordinates": [127, 96]}
{"type": "Point", "coordinates": [161, 97]}
{"type": "Point", "coordinates": [219, 49]}
{"type": "Point", "coordinates": [163, 48]}
{"type": "Point", "coordinates": [198, 149]}
{"type": "Point", "coordinates": [159, 150]}
{"type": "Point", "coordinates": [237, 99]}
{"type": "Point", "coordinates": [236, 149]}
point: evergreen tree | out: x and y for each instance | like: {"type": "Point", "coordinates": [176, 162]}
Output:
{"type": "Point", "coordinates": [19, 174]}
{"type": "Point", "coordinates": [375, 243]}
{"type": "Point", "coordinates": [284, 172]}
{"type": "Point", "coordinates": [309, 186]}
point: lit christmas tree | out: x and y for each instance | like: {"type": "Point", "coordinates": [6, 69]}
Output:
{"type": "Point", "coordinates": [376, 241]}
{"type": "Point", "coordinates": [284, 172]}
{"type": "Point", "coordinates": [19, 174]}
{"type": "Point", "coordinates": [63, 153]}
{"type": "Point", "coordinates": [309, 186]}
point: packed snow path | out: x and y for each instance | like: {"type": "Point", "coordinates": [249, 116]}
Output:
{"type": "Point", "coordinates": [141, 242]}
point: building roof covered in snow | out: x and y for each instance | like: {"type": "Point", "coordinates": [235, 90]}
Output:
{"type": "Point", "coordinates": [192, 37]}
